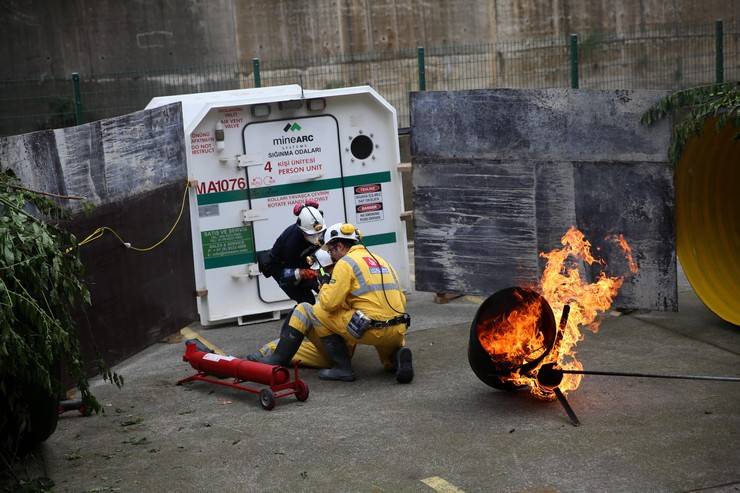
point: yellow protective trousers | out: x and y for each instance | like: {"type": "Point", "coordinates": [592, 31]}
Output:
{"type": "Point", "coordinates": [311, 352]}
{"type": "Point", "coordinates": [312, 319]}
{"type": "Point", "coordinates": [308, 353]}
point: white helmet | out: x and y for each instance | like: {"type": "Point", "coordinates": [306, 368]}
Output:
{"type": "Point", "coordinates": [321, 259]}
{"type": "Point", "coordinates": [310, 219]}
{"type": "Point", "coordinates": [344, 231]}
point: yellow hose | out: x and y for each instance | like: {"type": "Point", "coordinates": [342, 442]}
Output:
{"type": "Point", "coordinates": [708, 219]}
{"type": "Point", "coordinates": [99, 232]}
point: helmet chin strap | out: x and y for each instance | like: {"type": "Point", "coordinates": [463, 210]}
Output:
{"type": "Point", "coordinates": [315, 219]}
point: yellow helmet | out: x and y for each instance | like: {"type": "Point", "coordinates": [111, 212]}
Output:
{"type": "Point", "coordinates": [343, 231]}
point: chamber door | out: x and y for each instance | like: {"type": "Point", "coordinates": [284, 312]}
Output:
{"type": "Point", "coordinates": [292, 161]}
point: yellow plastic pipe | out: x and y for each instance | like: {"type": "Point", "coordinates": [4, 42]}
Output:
{"type": "Point", "coordinates": [708, 219]}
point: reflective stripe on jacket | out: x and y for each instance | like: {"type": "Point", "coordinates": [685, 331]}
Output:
{"type": "Point", "coordinates": [358, 282]}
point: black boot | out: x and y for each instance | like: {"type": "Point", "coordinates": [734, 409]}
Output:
{"type": "Point", "coordinates": [290, 341]}
{"type": "Point", "coordinates": [404, 367]}
{"type": "Point", "coordinates": [199, 345]}
{"type": "Point", "coordinates": [337, 350]}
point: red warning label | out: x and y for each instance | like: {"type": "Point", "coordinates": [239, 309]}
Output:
{"type": "Point", "coordinates": [367, 189]}
{"type": "Point", "coordinates": [369, 207]}
{"type": "Point", "coordinates": [369, 203]}
{"type": "Point", "coordinates": [202, 143]}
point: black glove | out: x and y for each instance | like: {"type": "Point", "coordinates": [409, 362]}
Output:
{"type": "Point", "coordinates": [324, 278]}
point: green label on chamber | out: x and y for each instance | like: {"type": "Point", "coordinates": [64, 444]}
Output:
{"type": "Point", "coordinates": [225, 247]}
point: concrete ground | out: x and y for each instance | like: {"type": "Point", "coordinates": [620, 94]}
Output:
{"type": "Point", "coordinates": [446, 432]}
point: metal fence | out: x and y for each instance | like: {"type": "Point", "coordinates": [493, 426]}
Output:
{"type": "Point", "coordinates": [672, 57]}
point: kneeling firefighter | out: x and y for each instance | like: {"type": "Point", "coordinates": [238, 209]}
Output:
{"type": "Point", "coordinates": [286, 261]}
{"type": "Point", "coordinates": [310, 352]}
{"type": "Point", "coordinates": [362, 304]}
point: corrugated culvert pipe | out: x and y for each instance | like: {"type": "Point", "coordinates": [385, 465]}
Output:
{"type": "Point", "coordinates": [707, 183]}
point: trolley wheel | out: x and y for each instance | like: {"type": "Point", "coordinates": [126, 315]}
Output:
{"type": "Point", "coordinates": [267, 399]}
{"type": "Point", "coordinates": [301, 390]}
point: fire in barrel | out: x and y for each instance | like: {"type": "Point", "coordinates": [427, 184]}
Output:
{"type": "Point", "coordinates": [515, 341]}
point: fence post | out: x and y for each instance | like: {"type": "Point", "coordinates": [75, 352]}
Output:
{"type": "Point", "coordinates": [574, 61]}
{"type": "Point", "coordinates": [422, 68]}
{"type": "Point", "coordinates": [719, 52]}
{"type": "Point", "coordinates": [78, 98]}
{"type": "Point", "coordinates": [256, 72]}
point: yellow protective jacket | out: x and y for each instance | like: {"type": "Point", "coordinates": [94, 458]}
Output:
{"type": "Point", "coordinates": [357, 283]}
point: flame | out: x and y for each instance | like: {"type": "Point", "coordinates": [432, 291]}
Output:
{"type": "Point", "coordinates": [561, 283]}
{"type": "Point", "coordinates": [627, 250]}
{"type": "Point", "coordinates": [514, 338]}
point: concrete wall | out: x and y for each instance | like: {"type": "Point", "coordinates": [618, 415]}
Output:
{"type": "Point", "coordinates": [516, 19]}
{"type": "Point", "coordinates": [129, 51]}
{"type": "Point", "coordinates": [53, 38]}
{"type": "Point", "coordinates": [132, 169]}
{"type": "Point", "coordinates": [283, 29]}
{"type": "Point", "coordinates": [500, 175]}
{"type": "Point", "coordinates": [106, 161]}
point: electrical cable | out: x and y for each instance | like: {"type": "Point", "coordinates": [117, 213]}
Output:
{"type": "Point", "coordinates": [99, 232]}
{"type": "Point", "coordinates": [382, 282]}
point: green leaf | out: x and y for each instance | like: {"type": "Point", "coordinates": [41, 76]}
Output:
{"type": "Point", "coordinates": [40, 288]}
{"type": "Point", "coordinates": [692, 109]}
{"type": "Point", "coordinates": [9, 256]}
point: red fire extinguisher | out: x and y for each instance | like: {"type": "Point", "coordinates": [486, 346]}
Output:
{"type": "Point", "coordinates": [277, 378]}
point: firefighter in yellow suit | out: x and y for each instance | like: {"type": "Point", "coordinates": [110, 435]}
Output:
{"type": "Point", "coordinates": [311, 352]}
{"type": "Point", "coordinates": [362, 304]}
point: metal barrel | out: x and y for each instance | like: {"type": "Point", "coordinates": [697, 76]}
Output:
{"type": "Point", "coordinates": [490, 370]}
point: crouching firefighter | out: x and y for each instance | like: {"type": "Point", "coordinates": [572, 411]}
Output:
{"type": "Point", "coordinates": [286, 261]}
{"type": "Point", "coordinates": [310, 351]}
{"type": "Point", "coordinates": [362, 304]}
